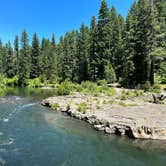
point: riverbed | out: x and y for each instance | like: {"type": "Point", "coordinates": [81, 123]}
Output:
{"type": "Point", "coordinates": [32, 135]}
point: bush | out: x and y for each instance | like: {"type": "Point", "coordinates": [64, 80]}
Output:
{"type": "Point", "coordinates": [34, 82]}
{"type": "Point", "coordinates": [147, 86]}
{"type": "Point", "coordinates": [163, 80]}
{"type": "Point", "coordinates": [82, 107]}
{"type": "Point", "coordinates": [157, 88]}
{"type": "Point", "coordinates": [55, 106]}
{"type": "Point", "coordinates": [123, 97]}
{"type": "Point", "coordinates": [102, 82]}
{"type": "Point", "coordinates": [12, 81]}
{"type": "Point", "coordinates": [109, 74]}
{"type": "Point", "coordinates": [2, 81]}
{"type": "Point", "coordinates": [89, 87]}
{"type": "Point", "coordinates": [65, 88]}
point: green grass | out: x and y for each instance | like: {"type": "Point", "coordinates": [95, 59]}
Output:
{"type": "Point", "coordinates": [82, 107]}
{"type": "Point", "coordinates": [55, 106]}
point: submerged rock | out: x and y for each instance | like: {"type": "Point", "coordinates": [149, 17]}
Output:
{"type": "Point", "coordinates": [2, 162]}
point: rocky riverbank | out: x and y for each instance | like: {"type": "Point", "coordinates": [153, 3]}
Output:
{"type": "Point", "coordinates": [134, 119]}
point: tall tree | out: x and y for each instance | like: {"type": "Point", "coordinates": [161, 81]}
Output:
{"type": "Point", "coordinates": [92, 51]}
{"type": "Point", "coordinates": [103, 38]}
{"type": "Point", "coordinates": [9, 61]}
{"type": "Point", "coordinates": [129, 47]}
{"type": "Point", "coordinates": [83, 53]}
{"type": "Point", "coordinates": [23, 60]}
{"type": "Point", "coordinates": [35, 58]}
{"type": "Point", "coordinates": [142, 47]}
{"type": "Point", "coordinates": [2, 54]}
{"type": "Point", "coordinates": [16, 53]}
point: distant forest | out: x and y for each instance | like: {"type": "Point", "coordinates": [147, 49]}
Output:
{"type": "Point", "coordinates": [129, 50]}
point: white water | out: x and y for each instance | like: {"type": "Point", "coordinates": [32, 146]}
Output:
{"type": "Point", "coordinates": [16, 110]}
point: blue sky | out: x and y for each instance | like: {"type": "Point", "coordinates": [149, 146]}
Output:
{"type": "Point", "coordinates": [50, 16]}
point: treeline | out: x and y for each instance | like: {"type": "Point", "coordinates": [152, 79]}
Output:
{"type": "Point", "coordinates": [131, 51]}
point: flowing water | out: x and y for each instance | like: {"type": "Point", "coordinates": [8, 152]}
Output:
{"type": "Point", "coordinates": [32, 135]}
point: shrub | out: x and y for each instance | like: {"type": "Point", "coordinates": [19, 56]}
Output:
{"type": "Point", "coordinates": [55, 106]}
{"type": "Point", "coordinates": [123, 97]}
{"type": "Point", "coordinates": [102, 82]}
{"type": "Point", "coordinates": [147, 86]}
{"type": "Point", "coordinates": [90, 87]}
{"type": "Point", "coordinates": [157, 88]}
{"type": "Point", "coordinates": [12, 81]}
{"type": "Point", "coordinates": [2, 81]}
{"type": "Point", "coordinates": [109, 74]}
{"type": "Point", "coordinates": [34, 82]}
{"type": "Point", "coordinates": [111, 92]}
{"type": "Point", "coordinates": [65, 88]}
{"type": "Point", "coordinates": [82, 107]}
{"type": "Point", "coordinates": [163, 80]}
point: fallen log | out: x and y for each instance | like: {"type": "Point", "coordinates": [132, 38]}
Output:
{"type": "Point", "coordinates": [159, 97]}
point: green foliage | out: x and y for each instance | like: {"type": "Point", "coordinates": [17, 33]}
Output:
{"type": "Point", "coordinates": [65, 88]}
{"type": "Point", "coordinates": [35, 58]}
{"type": "Point", "coordinates": [90, 87]}
{"type": "Point", "coordinates": [23, 60]}
{"type": "Point", "coordinates": [34, 83]}
{"type": "Point", "coordinates": [128, 51]}
{"type": "Point", "coordinates": [55, 106]}
{"type": "Point", "coordinates": [109, 74]}
{"type": "Point", "coordinates": [82, 107]}
{"type": "Point", "coordinates": [12, 81]}
{"type": "Point", "coordinates": [157, 88]}
{"type": "Point", "coordinates": [147, 86]}
{"type": "Point", "coordinates": [2, 84]}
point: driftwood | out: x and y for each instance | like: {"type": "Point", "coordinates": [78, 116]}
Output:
{"type": "Point", "coordinates": [159, 97]}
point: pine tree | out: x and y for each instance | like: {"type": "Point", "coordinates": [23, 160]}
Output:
{"type": "Point", "coordinates": [35, 58]}
{"type": "Point", "coordinates": [116, 44]}
{"type": "Point", "coordinates": [53, 41]}
{"type": "Point", "coordinates": [142, 56]}
{"type": "Point", "coordinates": [16, 53]}
{"type": "Point", "coordinates": [23, 60]}
{"type": "Point", "coordinates": [92, 51]}
{"type": "Point", "coordinates": [9, 61]}
{"type": "Point", "coordinates": [158, 54]}
{"type": "Point", "coordinates": [67, 58]}
{"type": "Point", "coordinates": [83, 53]}
{"type": "Point", "coordinates": [129, 47]}
{"type": "Point", "coordinates": [1, 57]}
{"type": "Point", "coordinates": [103, 39]}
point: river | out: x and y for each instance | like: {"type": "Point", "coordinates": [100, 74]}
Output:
{"type": "Point", "coordinates": [32, 135]}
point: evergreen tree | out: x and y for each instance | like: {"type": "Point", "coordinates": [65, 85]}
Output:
{"type": "Point", "coordinates": [92, 51]}
{"type": "Point", "coordinates": [53, 41]}
{"type": "Point", "coordinates": [68, 56]}
{"type": "Point", "coordinates": [116, 44]}
{"type": "Point", "coordinates": [23, 60]}
{"type": "Point", "coordinates": [109, 74]}
{"type": "Point", "coordinates": [83, 53]}
{"type": "Point", "coordinates": [35, 58]}
{"type": "Point", "coordinates": [1, 57]}
{"type": "Point", "coordinates": [9, 61]}
{"type": "Point", "coordinates": [16, 54]}
{"type": "Point", "coordinates": [103, 39]}
{"type": "Point", "coordinates": [129, 47]}
{"type": "Point", "coordinates": [142, 47]}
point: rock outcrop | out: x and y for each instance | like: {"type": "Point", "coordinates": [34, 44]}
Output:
{"type": "Point", "coordinates": [144, 122]}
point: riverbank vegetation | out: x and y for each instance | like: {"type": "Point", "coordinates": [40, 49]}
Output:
{"type": "Point", "coordinates": [129, 51]}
